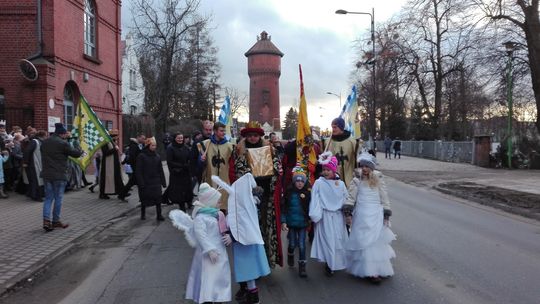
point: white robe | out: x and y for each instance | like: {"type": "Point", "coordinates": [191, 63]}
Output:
{"type": "Point", "coordinates": [208, 282]}
{"type": "Point", "coordinates": [330, 237]}
{"type": "Point", "coordinates": [242, 216]}
{"type": "Point", "coordinates": [368, 249]}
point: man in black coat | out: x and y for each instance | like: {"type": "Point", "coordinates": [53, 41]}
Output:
{"type": "Point", "coordinates": [135, 148]}
{"type": "Point", "coordinates": [55, 151]}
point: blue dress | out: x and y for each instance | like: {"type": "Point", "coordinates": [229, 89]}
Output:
{"type": "Point", "coordinates": [250, 262]}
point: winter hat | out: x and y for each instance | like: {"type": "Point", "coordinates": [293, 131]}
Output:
{"type": "Point", "coordinates": [298, 174]}
{"type": "Point", "coordinates": [328, 161]}
{"type": "Point", "coordinates": [366, 160]}
{"type": "Point", "coordinates": [208, 196]}
{"type": "Point", "coordinates": [149, 141]}
{"type": "Point", "coordinates": [339, 122]}
{"type": "Point", "coordinates": [59, 128]}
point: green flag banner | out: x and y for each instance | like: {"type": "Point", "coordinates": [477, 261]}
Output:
{"type": "Point", "coordinates": [89, 131]}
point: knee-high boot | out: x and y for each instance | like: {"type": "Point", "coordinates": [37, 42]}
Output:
{"type": "Point", "coordinates": [143, 212]}
{"type": "Point", "coordinates": [159, 217]}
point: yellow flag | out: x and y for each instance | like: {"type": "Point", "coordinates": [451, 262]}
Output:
{"type": "Point", "coordinates": [305, 152]}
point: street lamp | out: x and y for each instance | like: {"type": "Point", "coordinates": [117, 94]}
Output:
{"type": "Point", "coordinates": [372, 120]}
{"type": "Point", "coordinates": [338, 96]}
{"type": "Point", "coordinates": [510, 47]}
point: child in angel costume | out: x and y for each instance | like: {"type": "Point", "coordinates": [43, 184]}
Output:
{"type": "Point", "coordinates": [210, 275]}
{"type": "Point", "coordinates": [327, 197]}
{"type": "Point", "coordinates": [368, 208]}
{"type": "Point", "coordinates": [249, 256]}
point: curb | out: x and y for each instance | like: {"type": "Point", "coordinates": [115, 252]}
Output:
{"type": "Point", "coordinates": [487, 202]}
{"type": "Point", "coordinates": [25, 277]}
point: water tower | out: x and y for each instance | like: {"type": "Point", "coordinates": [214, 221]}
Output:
{"type": "Point", "coordinates": [264, 69]}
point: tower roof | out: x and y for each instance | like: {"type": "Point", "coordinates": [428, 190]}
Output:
{"type": "Point", "coordinates": [264, 45]}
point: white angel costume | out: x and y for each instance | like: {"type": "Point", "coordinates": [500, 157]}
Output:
{"type": "Point", "coordinates": [249, 257]}
{"type": "Point", "coordinates": [210, 275]}
{"type": "Point", "coordinates": [368, 250]}
{"type": "Point", "coordinates": [330, 237]}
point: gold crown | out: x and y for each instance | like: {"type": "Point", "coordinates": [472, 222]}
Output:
{"type": "Point", "coordinates": [253, 125]}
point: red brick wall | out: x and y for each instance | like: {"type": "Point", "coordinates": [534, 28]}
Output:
{"type": "Point", "coordinates": [264, 71]}
{"type": "Point", "coordinates": [63, 31]}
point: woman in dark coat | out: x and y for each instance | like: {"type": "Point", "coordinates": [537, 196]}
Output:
{"type": "Point", "coordinates": [178, 160]}
{"type": "Point", "coordinates": [150, 178]}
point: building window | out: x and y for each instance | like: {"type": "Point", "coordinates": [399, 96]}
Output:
{"type": "Point", "coordinates": [69, 107]}
{"type": "Point", "coordinates": [132, 110]}
{"type": "Point", "coordinates": [132, 77]}
{"type": "Point", "coordinates": [89, 28]}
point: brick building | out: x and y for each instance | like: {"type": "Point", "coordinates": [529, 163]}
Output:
{"type": "Point", "coordinates": [51, 52]}
{"type": "Point", "coordinates": [264, 69]}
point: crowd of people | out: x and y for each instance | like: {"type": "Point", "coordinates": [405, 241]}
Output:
{"type": "Point", "coordinates": [344, 213]}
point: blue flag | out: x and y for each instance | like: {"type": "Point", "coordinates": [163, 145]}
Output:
{"type": "Point", "coordinates": [349, 113]}
{"type": "Point", "coordinates": [225, 117]}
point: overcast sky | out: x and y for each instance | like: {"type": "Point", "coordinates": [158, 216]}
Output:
{"type": "Point", "coordinates": [307, 32]}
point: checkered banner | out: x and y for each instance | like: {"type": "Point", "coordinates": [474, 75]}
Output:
{"type": "Point", "coordinates": [90, 132]}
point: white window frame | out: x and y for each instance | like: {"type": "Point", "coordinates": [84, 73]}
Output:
{"type": "Point", "coordinates": [69, 108]}
{"type": "Point", "coordinates": [90, 28]}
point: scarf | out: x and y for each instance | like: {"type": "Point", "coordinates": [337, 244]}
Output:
{"type": "Point", "coordinates": [214, 140]}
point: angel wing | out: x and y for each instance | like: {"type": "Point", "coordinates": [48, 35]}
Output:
{"type": "Point", "coordinates": [183, 222]}
{"type": "Point", "coordinates": [222, 184]}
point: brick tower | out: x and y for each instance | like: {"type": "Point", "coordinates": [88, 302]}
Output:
{"type": "Point", "coordinates": [264, 69]}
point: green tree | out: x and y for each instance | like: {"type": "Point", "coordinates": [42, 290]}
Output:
{"type": "Point", "coordinates": [290, 124]}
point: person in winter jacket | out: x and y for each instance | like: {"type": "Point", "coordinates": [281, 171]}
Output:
{"type": "Point", "coordinates": [295, 218]}
{"type": "Point", "coordinates": [150, 178]}
{"type": "Point", "coordinates": [55, 151]}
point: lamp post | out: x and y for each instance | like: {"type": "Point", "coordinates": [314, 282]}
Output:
{"type": "Point", "coordinates": [338, 96]}
{"type": "Point", "coordinates": [373, 110]}
{"type": "Point", "coordinates": [510, 47]}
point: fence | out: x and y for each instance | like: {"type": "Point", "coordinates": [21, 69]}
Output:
{"type": "Point", "coordinates": [450, 151]}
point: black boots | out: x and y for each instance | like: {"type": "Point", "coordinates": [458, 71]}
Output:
{"type": "Point", "coordinates": [253, 296]}
{"type": "Point", "coordinates": [290, 257]}
{"type": "Point", "coordinates": [159, 217]}
{"type": "Point", "coordinates": [302, 269]}
{"type": "Point", "coordinates": [241, 294]}
{"type": "Point", "coordinates": [329, 272]}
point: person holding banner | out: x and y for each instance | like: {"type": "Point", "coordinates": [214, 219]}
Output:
{"type": "Point", "coordinates": [257, 156]}
{"type": "Point", "coordinates": [344, 147]}
{"type": "Point", "coordinates": [55, 151]}
{"type": "Point", "coordinates": [110, 173]}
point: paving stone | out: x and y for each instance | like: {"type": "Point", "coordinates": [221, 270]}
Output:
{"type": "Point", "coordinates": [23, 242]}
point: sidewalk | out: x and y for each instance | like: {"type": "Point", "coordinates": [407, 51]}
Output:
{"type": "Point", "coordinates": [432, 172]}
{"type": "Point", "coordinates": [25, 247]}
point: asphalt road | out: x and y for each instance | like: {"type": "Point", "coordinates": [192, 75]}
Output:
{"type": "Point", "coordinates": [448, 251]}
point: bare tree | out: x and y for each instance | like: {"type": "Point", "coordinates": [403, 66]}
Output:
{"type": "Point", "coordinates": [525, 15]}
{"type": "Point", "coordinates": [162, 31]}
{"type": "Point", "coordinates": [238, 100]}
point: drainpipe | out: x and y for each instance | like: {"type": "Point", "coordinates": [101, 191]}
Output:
{"type": "Point", "coordinates": [39, 32]}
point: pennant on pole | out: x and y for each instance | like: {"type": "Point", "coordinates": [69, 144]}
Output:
{"type": "Point", "coordinates": [89, 131]}
{"type": "Point", "coordinates": [225, 117]}
{"type": "Point", "coordinates": [305, 151]}
{"type": "Point", "coordinates": [349, 113]}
